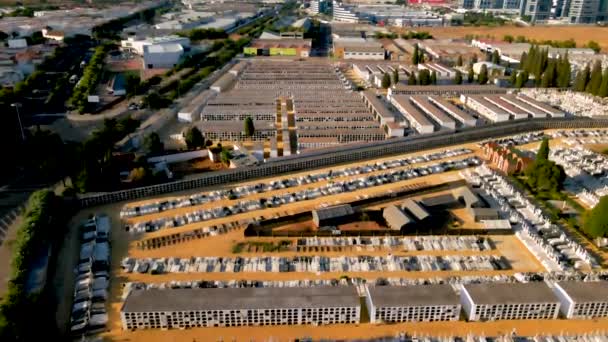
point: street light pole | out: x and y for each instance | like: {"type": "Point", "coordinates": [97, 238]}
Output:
{"type": "Point", "coordinates": [16, 105]}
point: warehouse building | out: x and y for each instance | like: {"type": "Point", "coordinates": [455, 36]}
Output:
{"type": "Point", "coordinates": [331, 216]}
{"type": "Point", "coordinates": [500, 301]}
{"type": "Point", "coordinates": [162, 56]}
{"type": "Point", "coordinates": [582, 300]}
{"type": "Point", "coordinates": [414, 116]}
{"type": "Point", "coordinates": [235, 307]}
{"type": "Point", "coordinates": [395, 218]}
{"type": "Point", "coordinates": [420, 303]}
{"type": "Point", "coordinates": [279, 47]}
{"type": "Point", "coordinates": [358, 48]}
{"type": "Point", "coordinates": [136, 45]}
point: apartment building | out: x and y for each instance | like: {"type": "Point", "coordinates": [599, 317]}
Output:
{"type": "Point", "coordinates": [501, 301]}
{"type": "Point", "coordinates": [420, 303]}
{"type": "Point", "coordinates": [344, 13]}
{"type": "Point", "coordinates": [235, 307]}
{"type": "Point", "coordinates": [536, 10]}
{"type": "Point", "coordinates": [582, 300]}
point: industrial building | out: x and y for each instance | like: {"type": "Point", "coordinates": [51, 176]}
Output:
{"type": "Point", "coordinates": [582, 300]}
{"type": "Point", "coordinates": [279, 47]}
{"type": "Point", "coordinates": [331, 216]}
{"type": "Point", "coordinates": [419, 303]}
{"type": "Point", "coordinates": [164, 56]}
{"type": "Point", "coordinates": [358, 48]}
{"type": "Point", "coordinates": [443, 120]}
{"type": "Point", "coordinates": [500, 301]}
{"type": "Point", "coordinates": [235, 307]}
{"type": "Point", "coordinates": [136, 45]}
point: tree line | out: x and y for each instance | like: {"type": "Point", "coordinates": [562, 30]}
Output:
{"type": "Point", "coordinates": [547, 72]}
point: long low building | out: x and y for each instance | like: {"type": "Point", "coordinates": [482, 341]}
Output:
{"type": "Point", "coordinates": [442, 119]}
{"type": "Point", "coordinates": [444, 90]}
{"type": "Point", "coordinates": [487, 109]}
{"type": "Point", "coordinates": [499, 301]}
{"type": "Point", "coordinates": [421, 303]}
{"type": "Point", "coordinates": [234, 307]}
{"type": "Point", "coordinates": [552, 112]}
{"type": "Point", "coordinates": [413, 115]}
{"type": "Point", "coordinates": [583, 299]}
{"type": "Point", "coordinates": [465, 119]}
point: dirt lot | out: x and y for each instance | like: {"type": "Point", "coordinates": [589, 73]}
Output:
{"type": "Point", "coordinates": [581, 34]}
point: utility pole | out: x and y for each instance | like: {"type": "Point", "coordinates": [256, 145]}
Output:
{"type": "Point", "coordinates": [18, 105]}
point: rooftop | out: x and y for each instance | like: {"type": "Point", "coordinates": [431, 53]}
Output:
{"type": "Point", "coordinates": [162, 48]}
{"type": "Point", "coordinates": [157, 300]}
{"type": "Point", "coordinates": [580, 292]}
{"type": "Point", "coordinates": [507, 293]}
{"type": "Point", "coordinates": [420, 295]}
{"type": "Point", "coordinates": [335, 211]}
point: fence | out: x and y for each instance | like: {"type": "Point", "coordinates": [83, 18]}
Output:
{"type": "Point", "coordinates": [344, 154]}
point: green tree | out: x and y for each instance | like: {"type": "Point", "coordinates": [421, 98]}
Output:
{"type": "Point", "coordinates": [603, 92]}
{"type": "Point", "coordinates": [593, 45]}
{"type": "Point", "coordinates": [508, 38]}
{"type": "Point", "coordinates": [522, 79]}
{"type": "Point", "coordinates": [582, 78]}
{"type": "Point", "coordinates": [470, 75]}
{"type": "Point", "coordinates": [225, 156]}
{"type": "Point", "coordinates": [495, 57]}
{"type": "Point", "coordinates": [424, 77]}
{"type": "Point", "coordinates": [458, 77]}
{"type": "Point", "coordinates": [549, 77]}
{"type": "Point", "coordinates": [543, 150]}
{"type": "Point", "coordinates": [434, 77]}
{"type": "Point", "coordinates": [152, 144]}
{"type": "Point", "coordinates": [595, 79]}
{"type": "Point", "coordinates": [564, 72]}
{"type": "Point", "coordinates": [415, 55]}
{"type": "Point", "coordinates": [482, 78]}
{"type": "Point", "coordinates": [459, 61]}
{"type": "Point", "coordinates": [513, 78]}
{"type": "Point", "coordinates": [194, 138]}
{"type": "Point", "coordinates": [386, 81]}
{"type": "Point", "coordinates": [249, 127]}
{"type": "Point", "coordinates": [421, 58]}
{"type": "Point", "coordinates": [396, 76]}
{"type": "Point", "coordinates": [595, 221]}
{"type": "Point", "coordinates": [412, 79]}
{"type": "Point", "coordinates": [132, 84]}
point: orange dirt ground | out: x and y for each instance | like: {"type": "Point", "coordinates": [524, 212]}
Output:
{"type": "Point", "coordinates": [581, 34]}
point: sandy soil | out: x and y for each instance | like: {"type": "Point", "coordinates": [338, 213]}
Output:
{"type": "Point", "coordinates": [581, 34]}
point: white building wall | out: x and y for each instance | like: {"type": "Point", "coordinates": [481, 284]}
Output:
{"type": "Point", "coordinates": [467, 304]}
{"type": "Point", "coordinates": [567, 305]}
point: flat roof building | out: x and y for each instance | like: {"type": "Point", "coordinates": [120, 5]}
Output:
{"type": "Point", "coordinates": [226, 307]}
{"type": "Point", "coordinates": [480, 214]}
{"type": "Point", "coordinates": [499, 301]}
{"type": "Point", "coordinates": [460, 115]}
{"type": "Point", "coordinates": [444, 90]}
{"type": "Point", "coordinates": [443, 120]}
{"type": "Point", "coordinates": [487, 109]}
{"type": "Point", "coordinates": [420, 303]}
{"type": "Point", "coordinates": [358, 48]}
{"type": "Point", "coordinates": [582, 299]}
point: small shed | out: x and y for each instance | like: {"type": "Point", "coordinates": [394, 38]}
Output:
{"type": "Point", "coordinates": [395, 218]}
{"type": "Point", "coordinates": [331, 216]}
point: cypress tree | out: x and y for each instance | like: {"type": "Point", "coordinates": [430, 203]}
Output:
{"type": "Point", "coordinates": [459, 61]}
{"type": "Point", "coordinates": [395, 76]}
{"type": "Point", "coordinates": [482, 78]}
{"type": "Point", "coordinates": [386, 81]}
{"type": "Point", "coordinates": [412, 79]}
{"type": "Point", "coordinates": [420, 57]}
{"type": "Point", "coordinates": [522, 60]}
{"type": "Point", "coordinates": [513, 78]}
{"type": "Point", "coordinates": [495, 57]}
{"type": "Point", "coordinates": [548, 79]}
{"type": "Point", "coordinates": [415, 57]}
{"type": "Point", "coordinates": [434, 77]}
{"type": "Point", "coordinates": [522, 79]}
{"type": "Point", "coordinates": [563, 72]}
{"type": "Point", "coordinates": [424, 77]}
{"type": "Point", "coordinates": [582, 78]}
{"type": "Point", "coordinates": [458, 77]}
{"type": "Point", "coordinates": [470, 75]}
{"type": "Point", "coordinates": [603, 92]}
{"type": "Point", "coordinates": [595, 79]}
